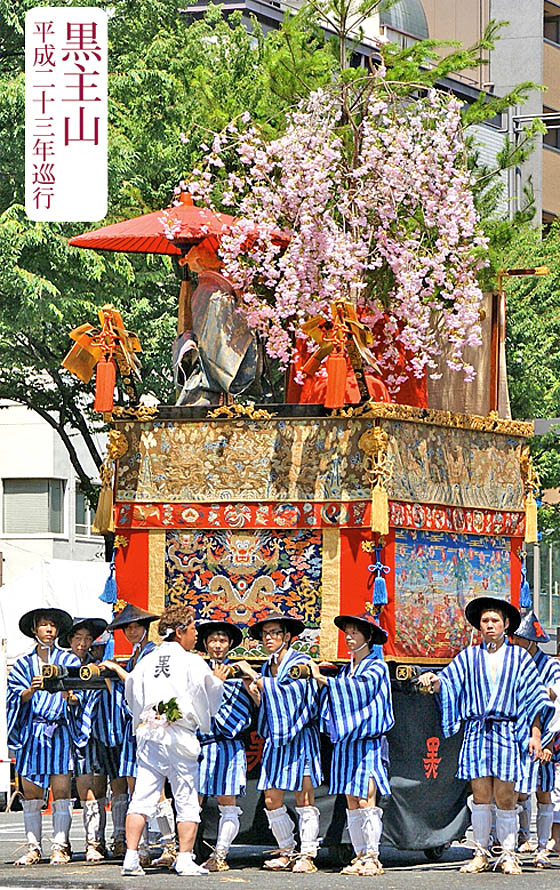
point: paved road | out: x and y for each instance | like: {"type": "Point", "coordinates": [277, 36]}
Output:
{"type": "Point", "coordinates": [402, 870]}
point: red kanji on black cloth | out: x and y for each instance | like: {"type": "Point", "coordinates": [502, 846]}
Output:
{"type": "Point", "coordinates": [431, 761]}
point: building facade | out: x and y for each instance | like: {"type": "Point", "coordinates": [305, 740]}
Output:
{"type": "Point", "coordinates": [44, 513]}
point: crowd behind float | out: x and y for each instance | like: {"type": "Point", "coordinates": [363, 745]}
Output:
{"type": "Point", "coordinates": [178, 711]}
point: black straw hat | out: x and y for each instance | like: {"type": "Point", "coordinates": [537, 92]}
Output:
{"type": "Point", "coordinates": [531, 629]}
{"type": "Point", "coordinates": [96, 626]}
{"type": "Point", "coordinates": [294, 626]}
{"type": "Point", "coordinates": [59, 617]}
{"type": "Point", "coordinates": [129, 614]}
{"type": "Point", "coordinates": [205, 628]}
{"type": "Point", "coordinates": [367, 624]}
{"type": "Point", "coordinates": [482, 604]}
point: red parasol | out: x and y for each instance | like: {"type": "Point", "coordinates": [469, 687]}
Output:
{"type": "Point", "coordinates": [145, 234]}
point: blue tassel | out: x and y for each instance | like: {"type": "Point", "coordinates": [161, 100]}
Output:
{"type": "Point", "coordinates": [109, 650]}
{"type": "Point", "coordinates": [109, 594]}
{"type": "Point", "coordinates": [525, 598]}
{"type": "Point", "coordinates": [379, 587]}
{"type": "Point", "coordinates": [379, 591]}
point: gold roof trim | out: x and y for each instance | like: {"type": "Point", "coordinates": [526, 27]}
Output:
{"type": "Point", "coordinates": [493, 423]}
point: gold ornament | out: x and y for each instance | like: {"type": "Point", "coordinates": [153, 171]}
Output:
{"type": "Point", "coordinates": [379, 470]}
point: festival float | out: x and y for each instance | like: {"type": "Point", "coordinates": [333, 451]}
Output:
{"type": "Point", "coordinates": [388, 476]}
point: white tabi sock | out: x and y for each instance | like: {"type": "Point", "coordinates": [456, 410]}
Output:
{"type": "Point", "coordinates": [228, 828]}
{"type": "Point", "coordinates": [102, 801]}
{"type": "Point", "coordinates": [131, 859]}
{"type": "Point", "coordinates": [354, 822]}
{"type": "Point", "coordinates": [32, 822]}
{"type": "Point", "coordinates": [166, 821]}
{"type": "Point", "coordinates": [506, 829]}
{"type": "Point", "coordinates": [282, 828]}
{"type": "Point", "coordinates": [61, 820]}
{"type": "Point", "coordinates": [545, 813]}
{"type": "Point", "coordinates": [308, 819]}
{"type": "Point", "coordinates": [119, 806]}
{"type": "Point", "coordinates": [90, 813]}
{"type": "Point", "coordinates": [524, 814]}
{"type": "Point", "coordinates": [482, 818]}
{"type": "Point", "coordinates": [372, 826]}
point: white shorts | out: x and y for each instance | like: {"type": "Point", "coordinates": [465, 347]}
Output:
{"type": "Point", "coordinates": [158, 761]}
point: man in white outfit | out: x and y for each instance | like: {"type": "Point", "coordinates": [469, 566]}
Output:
{"type": "Point", "coordinates": [171, 693]}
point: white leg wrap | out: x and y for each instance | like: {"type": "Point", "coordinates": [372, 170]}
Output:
{"type": "Point", "coordinates": [482, 818]}
{"type": "Point", "coordinates": [524, 814]}
{"type": "Point", "coordinates": [308, 821]}
{"type": "Point", "coordinates": [166, 821]}
{"type": "Point", "coordinates": [90, 811]}
{"type": "Point", "coordinates": [32, 822]}
{"type": "Point", "coordinates": [131, 859]}
{"type": "Point", "coordinates": [545, 813]}
{"type": "Point", "coordinates": [282, 828]}
{"type": "Point", "coordinates": [62, 820]}
{"type": "Point", "coordinates": [119, 806]}
{"type": "Point", "coordinates": [506, 829]}
{"type": "Point", "coordinates": [228, 828]}
{"type": "Point", "coordinates": [354, 822]}
{"type": "Point", "coordinates": [372, 826]}
{"type": "Point", "coordinates": [102, 801]}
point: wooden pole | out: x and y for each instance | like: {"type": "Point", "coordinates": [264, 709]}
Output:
{"type": "Point", "coordinates": [495, 338]}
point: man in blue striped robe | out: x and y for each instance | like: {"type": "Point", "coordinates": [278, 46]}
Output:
{"type": "Point", "coordinates": [92, 789]}
{"type": "Point", "coordinates": [496, 691]}
{"type": "Point", "coordinates": [40, 734]}
{"type": "Point", "coordinates": [107, 731]}
{"type": "Point", "coordinates": [135, 623]}
{"type": "Point", "coordinates": [356, 712]}
{"type": "Point", "coordinates": [537, 777]}
{"type": "Point", "coordinates": [223, 765]}
{"type": "Point", "coordinates": [288, 723]}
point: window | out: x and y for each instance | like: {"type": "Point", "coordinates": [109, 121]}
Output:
{"type": "Point", "coordinates": [33, 506]}
{"type": "Point", "coordinates": [552, 135]}
{"type": "Point", "coordinates": [551, 28]}
{"type": "Point", "coordinates": [83, 513]}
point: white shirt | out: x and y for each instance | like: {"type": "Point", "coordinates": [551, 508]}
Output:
{"type": "Point", "coordinates": [495, 663]}
{"type": "Point", "coordinates": [169, 671]}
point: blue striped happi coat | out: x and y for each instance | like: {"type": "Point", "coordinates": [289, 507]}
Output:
{"type": "Point", "coordinates": [356, 712]}
{"type": "Point", "coordinates": [108, 722]}
{"type": "Point", "coordinates": [288, 723]}
{"type": "Point", "coordinates": [40, 730]}
{"type": "Point", "coordinates": [128, 765]}
{"type": "Point", "coordinates": [534, 774]}
{"type": "Point", "coordinates": [223, 765]}
{"type": "Point", "coordinates": [497, 718]}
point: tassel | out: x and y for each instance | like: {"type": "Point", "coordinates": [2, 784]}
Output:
{"type": "Point", "coordinates": [109, 594]}
{"type": "Point", "coordinates": [531, 534]}
{"type": "Point", "coordinates": [105, 379]}
{"type": "Point", "coordinates": [103, 521]}
{"type": "Point", "coordinates": [525, 598]}
{"type": "Point", "coordinates": [379, 591]}
{"type": "Point", "coordinates": [336, 381]}
{"type": "Point", "coordinates": [379, 510]}
{"type": "Point", "coordinates": [379, 597]}
{"type": "Point", "coordinates": [109, 647]}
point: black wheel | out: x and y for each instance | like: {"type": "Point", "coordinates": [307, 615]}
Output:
{"type": "Point", "coordinates": [434, 853]}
